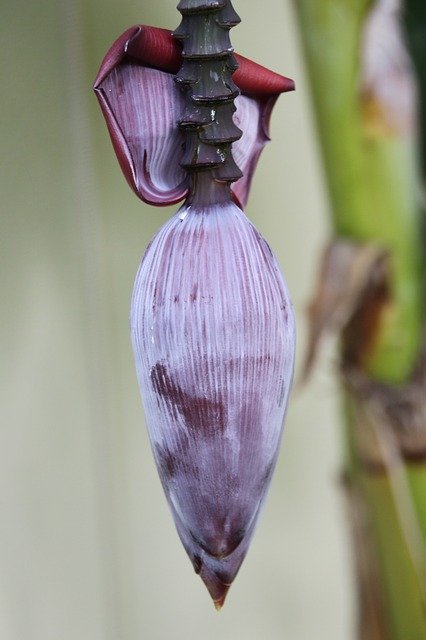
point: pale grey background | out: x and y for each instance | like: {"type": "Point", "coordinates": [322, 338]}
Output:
{"type": "Point", "coordinates": [88, 550]}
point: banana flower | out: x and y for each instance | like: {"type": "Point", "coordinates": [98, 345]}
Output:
{"type": "Point", "coordinates": [211, 319]}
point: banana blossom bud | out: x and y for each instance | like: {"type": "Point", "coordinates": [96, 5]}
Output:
{"type": "Point", "coordinates": [211, 320]}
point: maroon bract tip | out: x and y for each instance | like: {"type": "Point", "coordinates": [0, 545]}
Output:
{"type": "Point", "coordinates": [252, 78]}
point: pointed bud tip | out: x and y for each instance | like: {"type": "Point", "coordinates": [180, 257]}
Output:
{"type": "Point", "coordinates": [217, 589]}
{"type": "Point", "coordinates": [219, 601]}
{"type": "Point", "coordinates": [218, 604]}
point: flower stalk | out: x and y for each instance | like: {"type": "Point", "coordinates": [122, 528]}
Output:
{"type": "Point", "coordinates": [205, 78]}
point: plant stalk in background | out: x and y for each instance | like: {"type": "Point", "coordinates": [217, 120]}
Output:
{"type": "Point", "coordinates": [371, 290]}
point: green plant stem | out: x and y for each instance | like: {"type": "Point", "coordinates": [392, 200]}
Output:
{"type": "Point", "coordinates": [373, 185]}
{"type": "Point", "coordinates": [372, 179]}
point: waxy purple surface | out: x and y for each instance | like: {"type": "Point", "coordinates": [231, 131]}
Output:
{"type": "Point", "coordinates": [213, 337]}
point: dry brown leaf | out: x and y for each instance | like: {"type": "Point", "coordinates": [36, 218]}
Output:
{"type": "Point", "coordinates": [347, 271]}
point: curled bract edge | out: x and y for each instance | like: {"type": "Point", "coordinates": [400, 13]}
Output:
{"type": "Point", "coordinates": [213, 336]}
{"type": "Point", "coordinates": [141, 105]}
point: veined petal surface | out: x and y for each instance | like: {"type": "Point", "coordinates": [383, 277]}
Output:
{"type": "Point", "coordinates": [142, 105]}
{"type": "Point", "coordinates": [213, 337]}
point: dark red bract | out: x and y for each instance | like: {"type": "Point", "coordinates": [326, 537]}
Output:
{"type": "Point", "coordinates": [141, 106]}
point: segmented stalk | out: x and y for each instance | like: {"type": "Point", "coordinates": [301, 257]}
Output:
{"type": "Point", "coordinates": [206, 80]}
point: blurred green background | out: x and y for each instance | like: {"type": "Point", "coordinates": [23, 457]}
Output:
{"type": "Point", "coordinates": [88, 550]}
